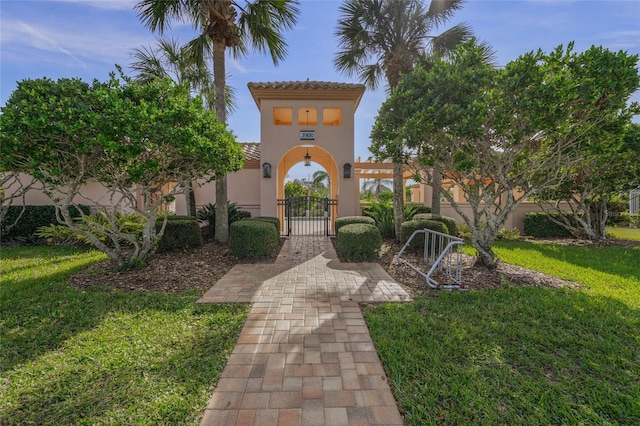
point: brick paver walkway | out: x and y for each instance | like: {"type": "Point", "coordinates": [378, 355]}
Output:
{"type": "Point", "coordinates": [305, 356]}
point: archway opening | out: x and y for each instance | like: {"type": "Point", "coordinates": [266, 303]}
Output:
{"type": "Point", "coordinates": [307, 191]}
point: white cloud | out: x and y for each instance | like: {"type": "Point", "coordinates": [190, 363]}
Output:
{"type": "Point", "coordinates": [80, 44]}
{"type": "Point", "coordinates": [20, 32]}
{"type": "Point", "coordinates": [104, 4]}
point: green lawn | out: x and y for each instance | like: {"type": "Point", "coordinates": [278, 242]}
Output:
{"type": "Point", "coordinates": [624, 233]}
{"type": "Point", "coordinates": [101, 356]}
{"type": "Point", "coordinates": [525, 356]}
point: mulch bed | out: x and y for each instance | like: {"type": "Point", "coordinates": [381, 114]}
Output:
{"type": "Point", "coordinates": [473, 277]}
{"type": "Point", "coordinates": [201, 267]}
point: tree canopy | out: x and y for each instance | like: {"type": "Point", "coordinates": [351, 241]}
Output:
{"type": "Point", "coordinates": [223, 24]}
{"type": "Point", "coordinates": [140, 141]}
{"type": "Point", "coordinates": [383, 39]}
{"type": "Point", "coordinates": [504, 135]}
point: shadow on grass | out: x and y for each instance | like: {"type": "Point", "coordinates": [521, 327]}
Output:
{"type": "Point", "coordinates": [516, 356]}
{"type": "Point", "coordinates": [101, 355]}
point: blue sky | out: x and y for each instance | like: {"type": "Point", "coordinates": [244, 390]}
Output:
{"type": "Point", "coordinates": [85, 38]}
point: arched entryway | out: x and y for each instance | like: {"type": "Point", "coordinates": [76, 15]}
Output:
{"type": "Point", "coordinates": [307, 214]}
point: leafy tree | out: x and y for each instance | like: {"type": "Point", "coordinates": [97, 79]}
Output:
{"type": "Point", "coordinates": [294, 189]}
{"type": "Point", "coordinates": [169, 60]}
{"type": "Point", "coordinates": [506, 135]}
{"type": "Point", "coordinates": [142, 142]}
{"type": "Point", "coordinates": [609, 167]}
{"type": "Point", "coordinates": [222, 24]}
{"type": "Point", "coordinates": [385, 39]}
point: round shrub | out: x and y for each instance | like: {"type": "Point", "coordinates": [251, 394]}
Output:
{"type": "Point", "coordinates": [268, 219]}
{"type": "Point", "coordinates": [253, 239]}
{"type": "Point", "coordinates": [449, 222]}
{"type": "Point", "coordinates": [349, 220]}
{"type": "Point", "coordinates": [179, 234]}
{"type": "Point", "coordinates": [358, 241]}
{"type": "Point", "coordinates": [410, 226]}
{"type": "Point", "coordinates": [540, 225]}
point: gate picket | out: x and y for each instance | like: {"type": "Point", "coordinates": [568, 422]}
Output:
{"type": "Point", "coordinates": [307, 215]}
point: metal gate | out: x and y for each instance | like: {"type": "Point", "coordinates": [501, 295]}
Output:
{"type": "Point", "coordinates": [307, 215]}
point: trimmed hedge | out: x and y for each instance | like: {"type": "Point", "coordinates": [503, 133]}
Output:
{"type": "Point", "coordinates": [181, 232]}
{"type": "Point", "coordinates": [268, 219]}
{"type": "Point", "coordinates": [358, 241]}
{"type": "Point", "coordinates": [33, 218]}
{"type": "Point", "coordinates": [410, 226]}
{"type": "Point", "coordinates": [449, 222]}
{"type": "Point", "coordinates": [349, 220]}
{"type": "Point", "coordinates": [253, 239]}
{"type": "Point", "coordinates": [539, 225]}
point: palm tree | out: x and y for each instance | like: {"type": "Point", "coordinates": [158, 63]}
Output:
{"type": "Point", "coordinates": [169, 60]}
{"type": "Point", "coordinates": [377, 186]}
{"type": "Point", "coordinates": [385, 39]}
{"type": "Point", "coordinates": [320, 177]}
{"type": "Point", "coordinates": [221, 24]}
{"type": "Point", "coordinates": [320, 183]}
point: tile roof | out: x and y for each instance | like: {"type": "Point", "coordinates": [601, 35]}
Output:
{"type": "Point", "coordinates": [309, 85]}
{"type": "Point", "coordinates": [251, 150]}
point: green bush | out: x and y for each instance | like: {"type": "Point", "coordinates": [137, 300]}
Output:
{"type": "Point", "coordinates": [349, 220]}
{"type": "Point", "coordinates": [411, 209]}
{"type": "Point", "coordinates": [464, 231]}
{"type": "Point", "coordinates": [449, 222]}
{"type": "Point", "coordinates": [410, 226]}
{"type": "Point", "coordinates": [358, 241]}
{"type": "Point", "coordinates": [171, 217]}
{"type": "Point", "coordinates": [59, 235]}
{"type": "Point", "coordinates": [539, 225]}
{"type": "Point", "coordinates": [207, 214]}
{"type": "Point", "coordinates": [33, 218]}
{"type": "Point", "coordinates": [508, 234]}
{"type": "Point", "coordinates": [253, 239]}
{"type": "Point", "coordinates": [382, 213]}
{"type": "Point", "coordinates": [631, 220]}
{"type": "Point", "coordinates": [269, 219]}
{"type": "Point", "coordinates": [179, 234]}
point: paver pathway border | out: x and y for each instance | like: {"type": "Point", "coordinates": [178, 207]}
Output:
{"type": "Point", "coordinates": [305, 355]}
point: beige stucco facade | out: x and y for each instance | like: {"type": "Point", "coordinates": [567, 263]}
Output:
{"type": "Point", "coordinates": [296, 119]}
{"type": "Point", "coordinates": [299, 119]}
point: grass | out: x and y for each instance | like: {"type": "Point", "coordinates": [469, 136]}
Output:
{"type": "Point", "coordinates": [624, 233]}
{"type": "Point", "coordinates": [101, 356]}
{"type": "Point", "coordinates": [524, 356]}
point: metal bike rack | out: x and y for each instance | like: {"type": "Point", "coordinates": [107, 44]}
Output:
{"type": "Point", "coordinates": [442, 252]}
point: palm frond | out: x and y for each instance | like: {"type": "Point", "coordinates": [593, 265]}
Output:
{"type": "Point", "coordinates": [449, 39]}
{"type": "Point", "coordinates": [441, 11]}
{"type": "Point", "coordinates": [261, 23]}
{"type": "Point", "coordinates": [158, 14]}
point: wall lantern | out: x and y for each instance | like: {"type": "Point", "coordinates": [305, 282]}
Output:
{"type": "Point", "coordinates": [307, 158]}
{"type": "Point", "coordinates": [347, 171]}
{"type": "Point", "coordinates": [266, 170]}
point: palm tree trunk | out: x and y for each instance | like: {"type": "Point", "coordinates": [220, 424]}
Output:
{"type": "Point", "coordinates": [219, 81]}
{"type": "Point", "coordinates": [398, 198]}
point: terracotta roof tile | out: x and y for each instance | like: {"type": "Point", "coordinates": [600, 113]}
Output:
{"type": "Point", "coordinates": [251, 150]}
{"type": "Point", "coordinates": [309, 85]}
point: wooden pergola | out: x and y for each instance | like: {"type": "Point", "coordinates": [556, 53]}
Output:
{"type": "Point", "coordinates": [369, 169]}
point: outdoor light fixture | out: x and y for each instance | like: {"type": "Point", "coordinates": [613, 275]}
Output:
{"type": "Point", "coordinates": [266, 170]}
{"type": "Point", "coordinates": [307, 158]}
{"type": "Point", "coordinates": [346, 172]}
